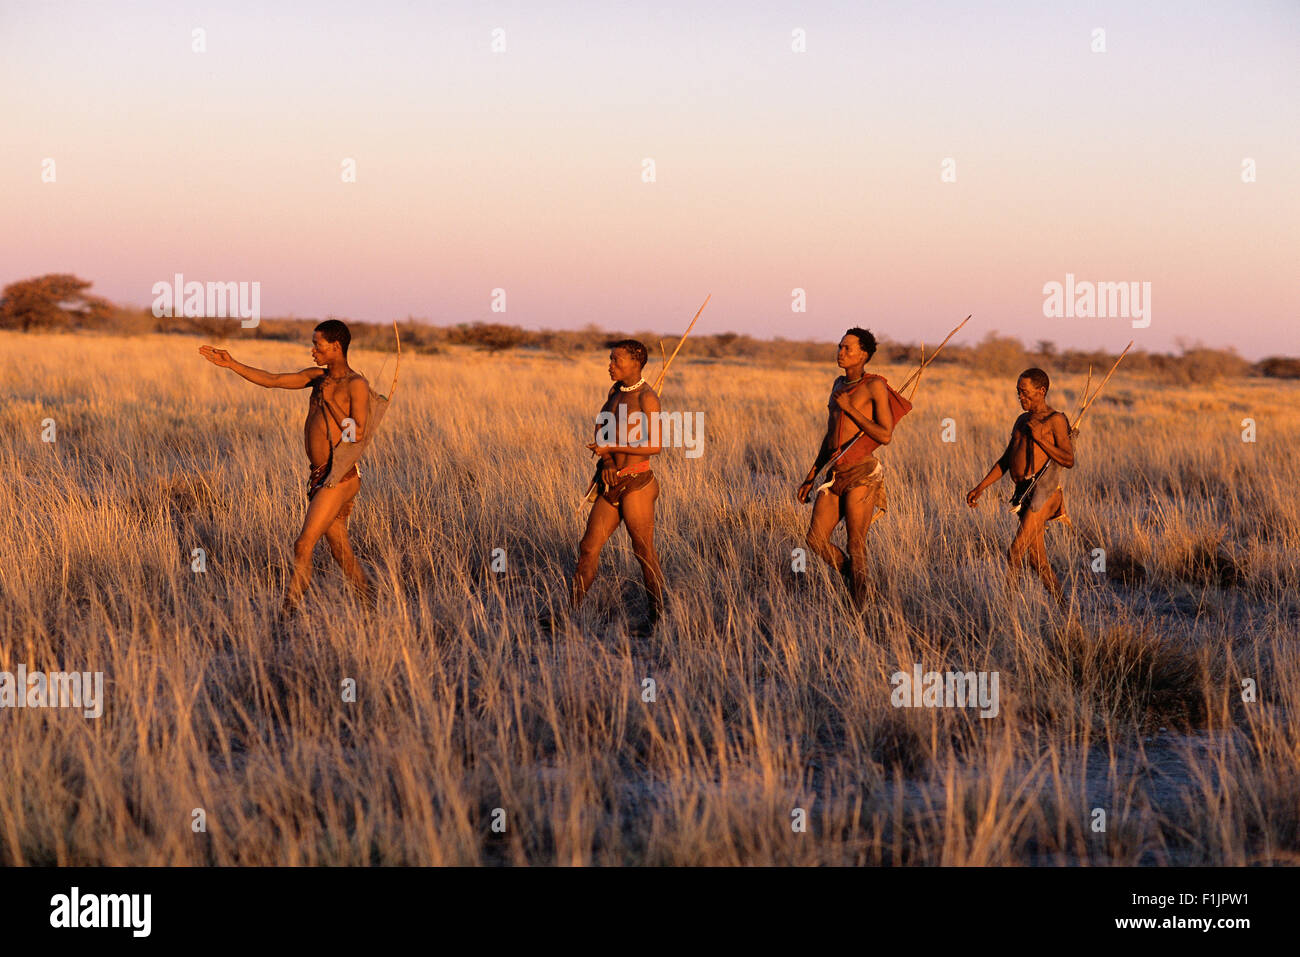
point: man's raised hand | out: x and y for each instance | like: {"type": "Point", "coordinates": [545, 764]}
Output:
{"type": "Point", "coordinates": [218, 357]}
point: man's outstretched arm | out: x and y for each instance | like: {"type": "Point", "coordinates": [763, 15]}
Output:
{"type": "Point", "coordinates": [267, 380]}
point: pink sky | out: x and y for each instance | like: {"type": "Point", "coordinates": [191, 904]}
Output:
{"type": "Point", "coordinates": [775, 170]}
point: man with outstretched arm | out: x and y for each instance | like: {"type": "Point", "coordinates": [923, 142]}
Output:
{"type": "Point", "coordinates": [337, 411]}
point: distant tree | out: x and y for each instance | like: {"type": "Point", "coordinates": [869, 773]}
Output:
{"type": "Point", "coordinates": [1201, 365]}
{"type": "Point", "coordinates": [1280, 367]}
{"type": "Point", "coordinates": [56, 300]}
{"type": "Point", "coordinates": [717, 345]}
{"type": "Point", "coordinates": [1000, 354]}
{"type": "Point", "coordinates": [492, 336]}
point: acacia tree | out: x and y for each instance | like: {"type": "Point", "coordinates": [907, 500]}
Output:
{"type": "Point", "coordinates": [492, 336]}
{"type": "Point", "coordinates": [54, 300]}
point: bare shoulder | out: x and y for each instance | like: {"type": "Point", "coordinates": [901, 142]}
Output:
{"type": "Point", "coordinates": [312, 376]}
{"type": "Point", "coordinates": [649, 399]}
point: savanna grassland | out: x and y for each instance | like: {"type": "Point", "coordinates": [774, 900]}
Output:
{"type": "Point", "coordinates": [771, 694]}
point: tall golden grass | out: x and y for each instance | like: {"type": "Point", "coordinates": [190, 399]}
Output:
{"type": "Point", "coordinates": [771, 694]}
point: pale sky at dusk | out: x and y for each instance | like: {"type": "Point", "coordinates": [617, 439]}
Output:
{"type": "Point", "coordinates": [774, 169]}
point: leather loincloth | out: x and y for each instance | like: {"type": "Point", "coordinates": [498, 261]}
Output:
{"type": "Point", "coordinates": [1052, 480]}
{"type": "Point", "coordinates": [316, 482]}
{"type": "Point", "coordinates": [869, 472]}
{"type": "Point", "coordinates": [627, 480]}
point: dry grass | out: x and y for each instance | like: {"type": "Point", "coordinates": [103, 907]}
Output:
{"type": "Point", "coordinates": [770, 696]}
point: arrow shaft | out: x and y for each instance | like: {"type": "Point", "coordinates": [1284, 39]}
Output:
{"type": "Point", "coordinates": [398, 367]}
{"type": "Point", "coordinates": [926, 362]}
{"type": "Point", "coordinates": [664, 371]}
{"type": "Point", "coordinates": [1089, 402]}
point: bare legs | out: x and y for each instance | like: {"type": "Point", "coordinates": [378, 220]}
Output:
{"type": "Point", "coordinates": [637, 512]}
{"type": "Point", "coordinates": [857, 506]}
{"type": "Point", "coordinates": [327, 517]}
{"type": "Point", "coordinates": [1029, 543]}
{"type": "Point", "coordinates": [639, 517]}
